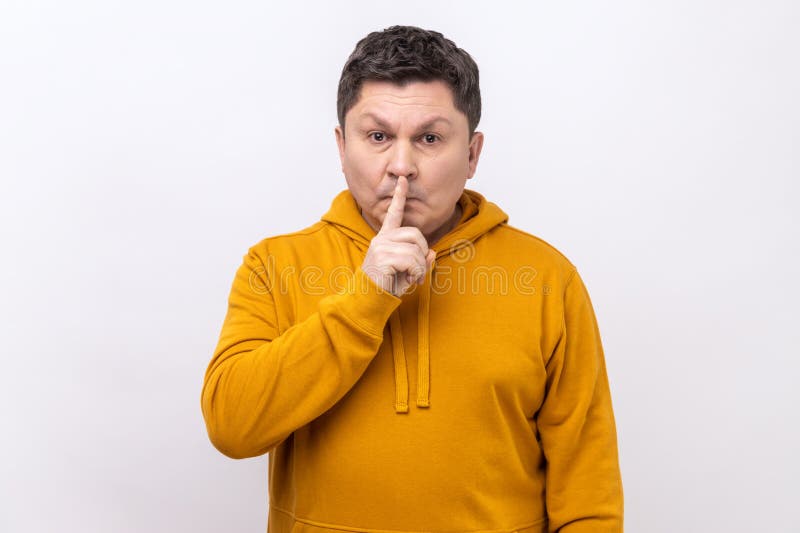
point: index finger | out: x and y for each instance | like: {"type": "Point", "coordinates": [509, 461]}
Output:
{"type": "Point", "coordinates": [394, 215]}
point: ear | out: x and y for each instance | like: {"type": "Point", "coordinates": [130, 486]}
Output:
{"type": "Point", "coordinates": [475, 146]}
{"type": "Point", "coordinates": [340, 143]}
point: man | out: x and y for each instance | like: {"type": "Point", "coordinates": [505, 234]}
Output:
{"type": "Point", "coordinates": [411, 362]}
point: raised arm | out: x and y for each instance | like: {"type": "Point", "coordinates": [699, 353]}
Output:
{"type": "Point", "coordinates": [260, 386]}
{"type": "Point", "coordinates": [577, 428]}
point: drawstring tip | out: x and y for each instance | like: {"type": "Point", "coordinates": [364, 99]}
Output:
{"type": "Point", "coordinates": [401, 407]}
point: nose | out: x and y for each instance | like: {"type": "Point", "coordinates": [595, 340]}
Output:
{"type": "Point", "coordinates": [401, 160]}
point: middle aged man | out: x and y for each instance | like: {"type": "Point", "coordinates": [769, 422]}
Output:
{"type": "Point", "coordinates": [411, 362]}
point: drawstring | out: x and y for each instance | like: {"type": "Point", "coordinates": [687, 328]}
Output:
{"type": "Point", "coordinates": [400, 374]}
{"type": "Point", "coordinates": [423, 360]}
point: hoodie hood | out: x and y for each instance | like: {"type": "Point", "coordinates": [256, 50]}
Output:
{"type": "Point", "coordinates": [478, 217]}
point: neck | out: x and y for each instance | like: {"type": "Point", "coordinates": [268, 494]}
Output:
{"type": "Point", "coordinates": [434, 237]}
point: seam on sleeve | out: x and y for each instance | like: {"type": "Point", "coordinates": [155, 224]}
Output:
{"type": "Point", "coordinates": [269, 286]}
{"type": "Point", "coordinates": [569, 280]}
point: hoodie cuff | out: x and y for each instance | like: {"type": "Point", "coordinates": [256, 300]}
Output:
{"type": "Point", "coordinates": [370, 306]}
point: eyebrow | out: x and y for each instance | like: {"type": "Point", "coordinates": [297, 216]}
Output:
{"type": "Point", "coordinates": [380, 122]}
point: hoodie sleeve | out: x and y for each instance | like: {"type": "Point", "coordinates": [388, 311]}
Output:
{"type": "Point", "coordinates": [577, 428]}
{"type": "Point", "coordinates": [261, 385]}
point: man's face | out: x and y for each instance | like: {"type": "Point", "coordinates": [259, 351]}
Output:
{"type": "Point", "coordinates": [413, 131]}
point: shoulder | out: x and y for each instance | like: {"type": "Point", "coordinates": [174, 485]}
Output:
{"type": "Point", "coordinates": [283, 242]}
{"type": "Point", "coordinates": [533, 249]}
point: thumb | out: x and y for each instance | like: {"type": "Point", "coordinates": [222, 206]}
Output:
{"type": "Point", "coordinates": [430, 258]}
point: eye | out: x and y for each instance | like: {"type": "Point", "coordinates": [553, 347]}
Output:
{"type": "Point", "coordinates": [377, 136]}
{"type": "Point", "coordinates": [430, 138]}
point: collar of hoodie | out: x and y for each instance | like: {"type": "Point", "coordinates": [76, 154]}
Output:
{"type": "Point", "coordinates": [478, 217]}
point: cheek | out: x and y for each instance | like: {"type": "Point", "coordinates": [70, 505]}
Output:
{"type": "Point", "coordinates": [448, 175]}
{"type": "Point", "coordinates": [449, 163]}
{"type": "Point", "coordinates": [365, 169]}
{"type": "Point", "coordinates": [445, 172]}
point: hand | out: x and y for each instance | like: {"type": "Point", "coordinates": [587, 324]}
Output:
{"type": "Point", "coordinates": [398, 256]}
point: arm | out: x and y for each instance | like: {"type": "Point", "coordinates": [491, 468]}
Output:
{"type": "Point", "coordinates": [577, 427]}
{"type": "Point", "coordinates": [260, 386]}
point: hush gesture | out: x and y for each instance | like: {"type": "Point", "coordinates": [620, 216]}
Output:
{"type": "Point", "coordinates": [398, 255]}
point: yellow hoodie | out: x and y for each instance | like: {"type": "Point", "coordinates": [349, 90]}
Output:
{"type": "Point", "coordinates": [478, 402]}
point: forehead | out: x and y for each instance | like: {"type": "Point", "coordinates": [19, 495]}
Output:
{"type": "Point", "coordinates": [384, 98]}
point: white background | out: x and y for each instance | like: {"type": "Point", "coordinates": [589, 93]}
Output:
{"type": "Point", "coordinates": [144, 146]}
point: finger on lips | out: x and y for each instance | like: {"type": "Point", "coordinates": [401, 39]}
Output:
{"type": "Point", "coordinates": [394, 215]}
{"type": "Point", "coordinates": [408, 235]}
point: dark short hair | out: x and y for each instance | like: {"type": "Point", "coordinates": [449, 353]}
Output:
{"type": "Point", "coordinates": [403, 54]}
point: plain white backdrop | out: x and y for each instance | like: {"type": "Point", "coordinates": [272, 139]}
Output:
{"type": "Point", "coordinates": [144, 146]}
